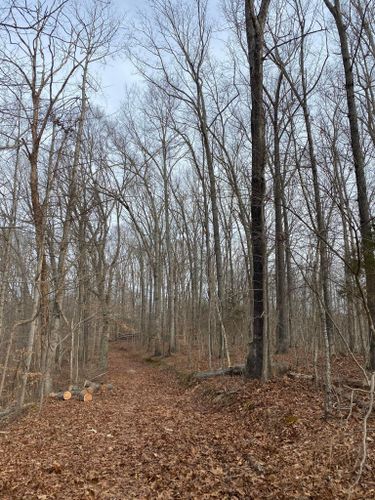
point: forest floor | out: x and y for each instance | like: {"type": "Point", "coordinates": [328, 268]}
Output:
{"type": "Point", "coordinates": [158, 436]}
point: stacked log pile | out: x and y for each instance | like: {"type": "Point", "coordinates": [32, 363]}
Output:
{"type": "Point", "coordinates": [82, 394]}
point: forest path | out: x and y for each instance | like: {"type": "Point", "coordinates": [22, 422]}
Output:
{"type": "Point", "coordinates": [146, 439]}
{"type": "Point", "coordinates": [152, 438]}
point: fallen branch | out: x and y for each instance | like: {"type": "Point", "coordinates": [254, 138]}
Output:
{"type": "Point", "coordinates": [232, 371]}
{"type": "Point", "coordinates": [303, 376]}
{"type": "Point", "coordinates": [352, 383]}
{"type": "Point", "coordinates": [349, 383]}
{"type": "Point", "coordinates": [360, 403]}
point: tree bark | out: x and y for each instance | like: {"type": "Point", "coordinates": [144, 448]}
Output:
{"type": "Point", "coordinates": [282, 334]}
{"type": "Point", "coordinates": [366, 221]}
{"type": "Point", "coordinates": [255, 42]}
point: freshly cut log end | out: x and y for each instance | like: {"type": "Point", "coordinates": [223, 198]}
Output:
{"type": "Point", "coordinates": [85, 396]}
{"type": "Point", "coordinates": [62, 395]}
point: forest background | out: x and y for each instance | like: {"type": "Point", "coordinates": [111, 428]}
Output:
{"type": "Point", "coordinates": [219, 205]}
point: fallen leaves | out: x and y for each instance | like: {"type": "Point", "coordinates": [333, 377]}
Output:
{"type": "Point", "coordinates": [155, 438]}
{"type": "Point", "coordinates": [54, 468]}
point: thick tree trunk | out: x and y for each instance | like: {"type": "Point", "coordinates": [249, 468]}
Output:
{"type": "Point", "coordinates": [255, 40]}
{"type": "Point", "coordinates": [366, 229]}
{"type": "Point", "coordinates": [61, 268]}
{"type": "Point", "coordinates": [32, 334]}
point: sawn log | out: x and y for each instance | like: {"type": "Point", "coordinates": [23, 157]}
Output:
{"type": "Point", "coordinates": [62, 395]}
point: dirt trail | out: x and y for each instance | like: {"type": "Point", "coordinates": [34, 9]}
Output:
{"type": "Point", "coordinates": [152, 438]}
{"type": "Point", "coordinates": [147, 439]}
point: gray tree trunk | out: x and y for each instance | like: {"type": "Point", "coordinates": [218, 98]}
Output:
{"type": "Point", "coordinates": [366, 223]}
{"type": "Point", "coordinates": [255, 42]}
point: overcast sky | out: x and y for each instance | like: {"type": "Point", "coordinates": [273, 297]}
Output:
{"type": "Point", "coordinates": [117, 72]}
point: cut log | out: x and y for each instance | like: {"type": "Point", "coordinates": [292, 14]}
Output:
{"type": "Point", "coordinates": [232, 371]}
{"type": "Point", "coordinates": [79, 393]}
{"type": "Point", "coordinates": [74, 388]}
{"type": "Point", "coordinates": [85, 396]}
{"type": "Point", "coordinates": [92, 386]}
{"type": "Point", "coordinates": [106, 387]}
{"type": "Point", "coordinates": [62, 395]}
{"type": "Point", "coordinates": [82, 395]}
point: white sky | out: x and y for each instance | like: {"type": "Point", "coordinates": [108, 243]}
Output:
{"type": "Point", "coordinates": [118, 72]}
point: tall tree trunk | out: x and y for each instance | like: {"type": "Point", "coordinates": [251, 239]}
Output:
{"type": "Point", "coordinates": [82, 334]}
{"type": "Point", "coordinates": [61, 268]}
{"type": "Point", "coordinates": [34, 321]}
{"type": "Point", "coordinates": [215, 217]}
{"type": "Point", "coordinates": [170, 323]}
{"type": "Point", "coordinates": [289, 271]}
{"type": "Point", "coordinates": [255, 42]}
{"type": "Point", "coordinates": [282, 334]}
{"type": "Point", "coordinates": [157, 292]}
{"type": "Point", "coordinates": [367, 232]}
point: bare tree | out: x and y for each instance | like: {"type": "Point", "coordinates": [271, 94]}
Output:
{"type": "Point", "coordinates": [255, 24]}
{"type": "Point", "coordinates": [366, 221]}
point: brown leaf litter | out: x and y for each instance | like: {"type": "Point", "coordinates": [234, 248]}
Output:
{"type": "Point", "coordinates": [154, 438]}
